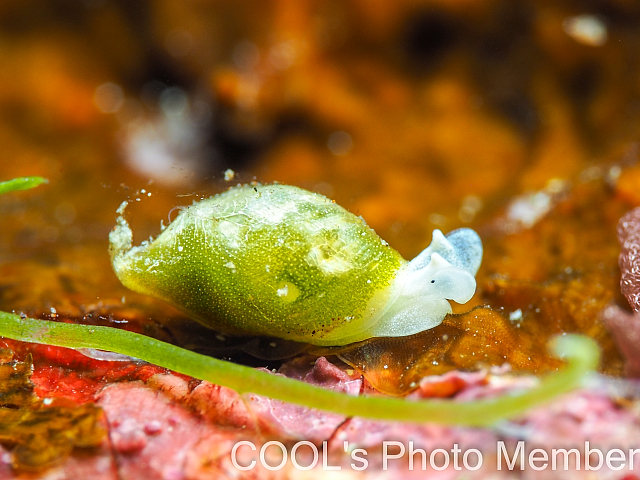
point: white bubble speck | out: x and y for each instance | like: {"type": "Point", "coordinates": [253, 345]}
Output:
{"type": "Point", "coordinates": [586, 29]}
{"type": "Point", "coordinates": [515, 315]}
{"type": "Point", "coordinates": [528, 209]}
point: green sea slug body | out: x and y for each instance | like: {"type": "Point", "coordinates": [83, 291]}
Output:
{"type": "Point", "coordinates": [280, 261]}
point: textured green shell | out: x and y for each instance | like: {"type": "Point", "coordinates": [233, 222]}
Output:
{"type": "Point", "coordinates": [281, 261]}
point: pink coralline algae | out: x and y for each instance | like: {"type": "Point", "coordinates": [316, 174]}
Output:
{"type": "Point", "coordinates": [629, 259]}
{"type": "Point", "coordinates": [624, 326]}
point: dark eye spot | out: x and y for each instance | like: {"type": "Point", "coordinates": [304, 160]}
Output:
{"type": "Point", "coordinates": [433, 281]}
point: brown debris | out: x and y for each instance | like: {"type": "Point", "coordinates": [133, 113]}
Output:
{"type": "Point", "coordinates": [39, 435]}
{"type": "Point", "coordinates": [16, 389]}
{"type": "Point", "coordinates": [46, 436]}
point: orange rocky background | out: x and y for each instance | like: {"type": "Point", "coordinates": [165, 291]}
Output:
{"type": "Point", "coordinates": [518, 119]}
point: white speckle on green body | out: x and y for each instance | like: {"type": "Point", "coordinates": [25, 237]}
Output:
{"type": "Point", "coordinates": [280, 261]}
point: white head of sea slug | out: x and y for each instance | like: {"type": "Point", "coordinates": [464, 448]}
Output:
{"type": "Point", "coordinates": [280, 261]}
